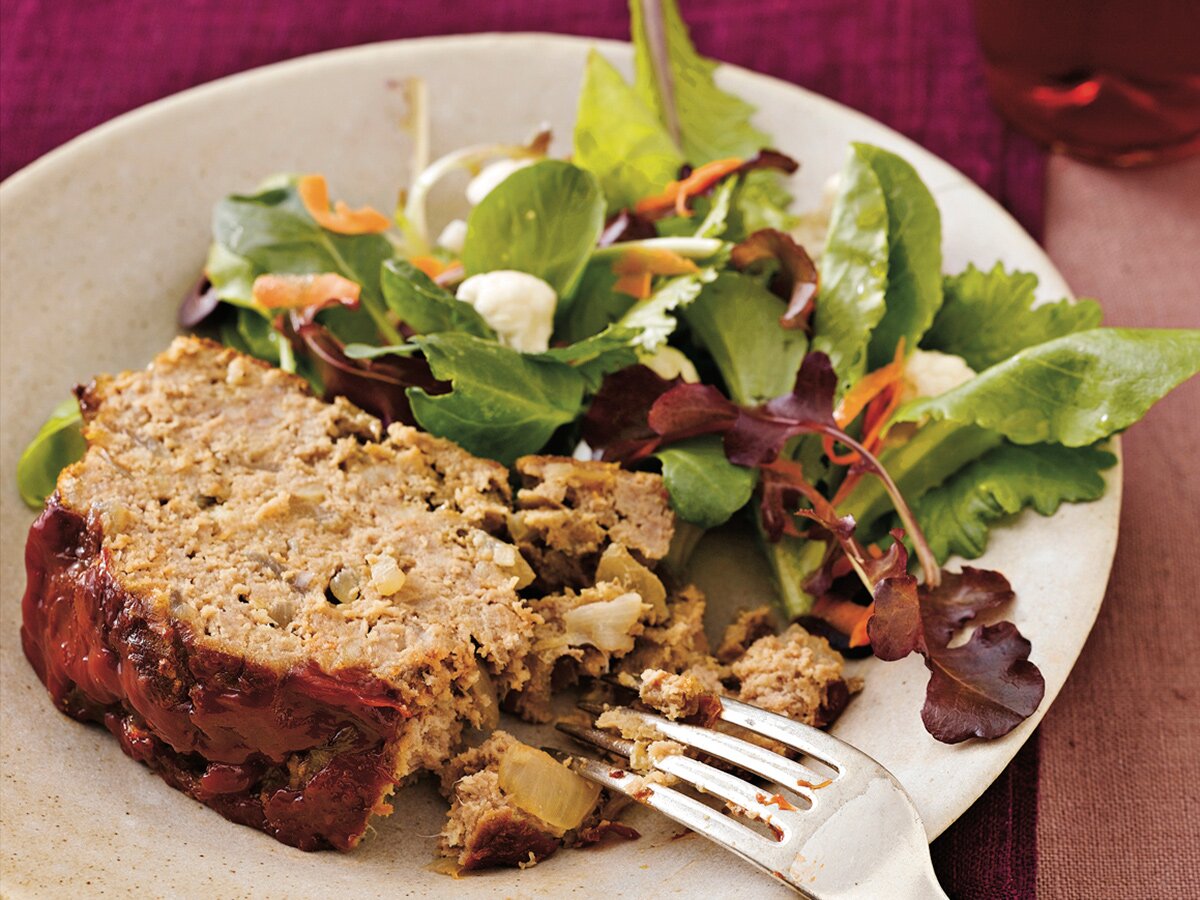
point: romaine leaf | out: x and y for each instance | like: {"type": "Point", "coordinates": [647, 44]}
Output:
{"type": "Point", "coordinates": [274, 233]}
{"type": "Point", "coordinates": [854, 270]}
{"type": "Point", "coordinates": [763, 202]}
{"type": "Point", "coordinates": [1074, 390]}
{"type": "Point", "coordinates": [988, 316]}
{"type": "Point", "coordinates": [619, 139]}
{"type": "Point", "coordinates": [58, 443]}
{"type": "Point", "coordinates": [737, 321]}
{"type": "Point", "coordinates": [677, 83]}
{"type": "Point", "coordinates": [705, 487]}
{"type": "Point", "coordinates": [914, 236]}
{"type": "Point", "coordinates": [503, 404]}
{"type": "Point", "coordinates": [543, 219]}
{"type": "Point", "coordinates": [426, 307]}
{"type": "Point", "coordinates": [956, 516]}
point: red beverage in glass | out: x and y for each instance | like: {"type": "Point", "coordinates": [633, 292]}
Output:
{"type": "Point", "coordinates": [1110, 81]}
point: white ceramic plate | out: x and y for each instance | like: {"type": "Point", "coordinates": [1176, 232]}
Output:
{"type": "Point", "coordinates": [101, 238]}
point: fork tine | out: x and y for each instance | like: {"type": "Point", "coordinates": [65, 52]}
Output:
{"type": "Point", "coordinates": [711, 780]}
{"type": "Point", "coordinates": [753, 758]}
{"type": "Point", "coordinates": [797, 735]}
{"type": "Point", "coordinates": [683, 809]}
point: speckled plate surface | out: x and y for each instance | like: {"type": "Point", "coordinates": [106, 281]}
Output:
{"type": "Point", "coordinates": [100, 239]}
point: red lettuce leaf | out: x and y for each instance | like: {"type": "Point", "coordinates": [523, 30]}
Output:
{"type": "Point", "coordinates": [626, 225]}
{"type": "Point", "coordinates": [688, 410]}
{"type": "Point", "coordinates": [959, 599]}
{"type": "Point", "coordinates": [796, 281]}
{"type": "Point", "coordinates": [198, 303]}
{"type": "Point", "coordinates": [617, 421]}
{"type": "Point", "coordinates": [984, 688]}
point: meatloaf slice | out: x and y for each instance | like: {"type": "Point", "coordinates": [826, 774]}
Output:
{"type": "Point", "coordinates": [570, 511]}
{"type": "Point", "coordinates": [277, 606]}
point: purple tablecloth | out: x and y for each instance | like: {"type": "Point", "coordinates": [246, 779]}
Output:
{"type": "Point", "coordinates": [68, 65]}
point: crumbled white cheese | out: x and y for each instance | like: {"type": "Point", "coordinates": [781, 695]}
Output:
{"type": "Point", "coordinates": [453, 236]}
{"type": "Point", "coordinates": [928, 373]}
{"type": "Point", "coordinates": [491, 176]}
{"type": "Point", "coordinates": [518, 306]}
{"type": "Point", "coordinates": [583, 451]}
{"type": "Point", "coordinates": [667, 362]}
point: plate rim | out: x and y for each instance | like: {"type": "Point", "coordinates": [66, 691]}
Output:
{"type": "Point", "coordinates": [16, 184]}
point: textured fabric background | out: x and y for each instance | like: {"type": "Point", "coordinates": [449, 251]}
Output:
{"type": "Point", "coordinates": [1130, 711]}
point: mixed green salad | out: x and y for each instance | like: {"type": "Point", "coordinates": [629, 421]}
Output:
{"type": "Point", "coordinates": [647, 301]}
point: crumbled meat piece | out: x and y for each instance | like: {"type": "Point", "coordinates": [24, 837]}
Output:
{"type": "Point", "coordinates": [794, 674]}
{"type": "Point", "coordinates": [744, 630]}
{"type": "Point", "coordinates": [682, 696]}
{"type": "Point", "coordinates": [569, 511]}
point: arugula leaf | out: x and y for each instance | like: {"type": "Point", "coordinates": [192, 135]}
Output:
{"type": "Point", "coordinates": [58, 443]}
{"type": "Point", "coordinates": [273, 232]}
{"type": "Point", "coordinates": [914, 233]}
{"type": "Point", "coordinates": [1074, 390]}
{"type": "Point", "coordinates": [593, 306]}
{"type": "Point", "coordinates": [705, 487]}
{"type": "Point", "coordinates": [543, 219]}
{"type": "Point", "coordinates": [503, 404]}
{"type": "Point", "coordinates": [854, 270]}
{"type": "Point", "coordinates": [737, 320]}
{"type": "Point", "coordinates": [619, 139]}
{"type": "Point", "coordinates": [989, 316]}
{"type": "Point", "coordinates": [426, 307]}
{"type": "Point", "coordinates": [677, 83]}
{"type": "Point", "coordinates": [956, 516]}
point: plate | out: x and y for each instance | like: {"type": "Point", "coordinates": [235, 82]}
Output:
{"type": "Point", "coordinates": [101, 238]}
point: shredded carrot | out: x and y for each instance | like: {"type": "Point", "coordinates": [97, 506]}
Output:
{"type": "Point", "coordinates": [675, 195]}
{"type": "Point", "coordinates": [635, 267]}
{"type": "Point", "coordinates": [847, 617]}
{"type": "Point", "coordinates": [432, 266]}
{"type": "Point", "coordinates": [299, 291]}
{"type": "Point", "coordinates": [870, 387]}
{"type": "Point", "coordinates": [314, 194]}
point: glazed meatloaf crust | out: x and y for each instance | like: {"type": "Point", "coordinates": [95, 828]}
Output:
{"type": "Point", "coordinates": [279, 608]}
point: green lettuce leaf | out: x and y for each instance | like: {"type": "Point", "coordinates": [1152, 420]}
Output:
{"type": "Point", "coordinates": [619, 139]}
{"type": "Point", "coordinates": [1074, 390]}
{"type": "Point", "coordinates": [273, 232]}
{"type": "Point", "coordinates": [426, 307]}
{"type": "Point", "coordinates": [854, 270]}
{"type": "Point", "coordinates": [653, 320]}
{"type": "Point", "coordinates": [706, 122]}
{"type": "Point", "coordinates": [503, 404]}
{"type": "Point", "coordinates": [988, 316]}
{"type": "Point", "coordinates": [58, 443]}
{"type": "Point", "coordinates": [737, 320]}
{"type": "Point", "coordinates": [705, 487]}
{"type": "Point", "coordinates": [914, 275]}
{"type": "Point", "coordinates": [956, 516]}
{"type": "Point", "coordinates": [677, 83]}
{"type": "Point", "coordinates": [543, 219]}
{"type": "Point", "coordinates": [593, 306]}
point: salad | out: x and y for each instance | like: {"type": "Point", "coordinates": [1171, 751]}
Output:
{"type": "Point", "coordinates": [653, 300]}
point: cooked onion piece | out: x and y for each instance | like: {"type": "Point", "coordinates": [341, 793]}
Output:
{"type": "Point", "coordinates": [545, 788]}
{"type": "Point", "coordinates": [605, 625]}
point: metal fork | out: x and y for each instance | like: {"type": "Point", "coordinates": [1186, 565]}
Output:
{"type": "Point", "coordinates": [860, 835]}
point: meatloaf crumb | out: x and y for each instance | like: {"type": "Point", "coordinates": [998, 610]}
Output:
{"type": "Point", "coordinates": [682, 696]}
{"type": "Point", "coordinates": [278, 606]}
{"type": "Point", "coordinates": [747, 627]}
{"type": "Point", "coordinates": [676, 643]}
{"type": "Point", "coordinates": [569, 511]}
{"type": "Point", "coordinates": [794, 674]}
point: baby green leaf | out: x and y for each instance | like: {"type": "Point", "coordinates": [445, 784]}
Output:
{"type": "Point", "coordinates": [58, 443]}
{"type": "Point", "coordinates": [956, 516]}
{"type": "Point", "coordinates": [914, 235]}
{"type": "Point", "coordinates": [737, 320]}
{"type": "Point", "coordinates": [543, 219]}
{"type": "Point", "coordinates": [426, 307]}
{"type": "Point", "coordinates": [1074, 390]}
{"type": "Point", "coordinates": [619, 139]}
{"type": "Point", "coordinates": [705, 487]}
{"type": "Point", "coordinates": [503, 404]}
{"type": "Point", "coordinates": [854, 270]}
{"type": "Point", "coordinates": [989, 316]}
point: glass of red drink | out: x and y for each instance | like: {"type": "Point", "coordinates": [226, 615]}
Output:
{"type": "Point", "coordinates": [1109, 81]}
